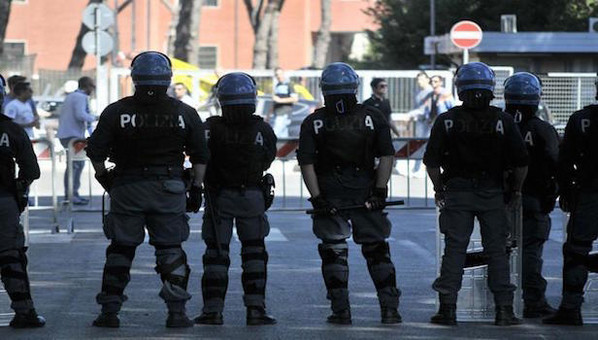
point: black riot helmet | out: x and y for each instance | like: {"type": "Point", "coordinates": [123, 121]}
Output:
{"type": "Point", "coordinates": [237, 95]}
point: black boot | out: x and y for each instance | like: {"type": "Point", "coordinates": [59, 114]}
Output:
{"type": "Point", "coordinates": [214, 318]}
{"type": "Point", "coordinates": [538, 311]}
{"type": "Point", "coordinates": [390, 316]}
{"type": "Point", "coordinates": [340, 318]}
{"type": "Point", "coordinates": [178, 320]}
{"type": "Point", "coordinates": [257, 316]}
{"type": "Point", "coordinates": [108, 320]}
{"type": "Point", "coordinates": [505, 316]}
{"type": "Point", "coordinates": [565, 316]}
{"type": "Point", "coordinates": [27, 320]}
{"type": "Point", "coordinates": [447, 315]}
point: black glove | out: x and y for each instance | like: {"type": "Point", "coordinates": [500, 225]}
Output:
{"type": "Point", "coordinates": [105, 179]}
{"type": "Point", "coordinates": [567, 202]}
{"type": "Point", "coordinates": [194, 199]}
{"type": "Point", "coordinates": [22, 195]}
{"type": "Point", "coordinates": [322, 206]}
{"type": "Point", "coordinates": [440, 199]}
{"type": "Point", "coordinates": [377, 199]}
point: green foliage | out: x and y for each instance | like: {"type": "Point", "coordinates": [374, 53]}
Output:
{"type": "Point", "coordinates": [404, 23]}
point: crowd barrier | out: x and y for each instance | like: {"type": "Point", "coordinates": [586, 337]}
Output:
{"type": "Point", "coordinates": [45, 152]}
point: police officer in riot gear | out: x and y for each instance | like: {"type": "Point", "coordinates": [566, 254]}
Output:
{"type": "Point", "coordinates": [15, 148]}
{"type": "Point", "coordinates": [147, 136]}
{"type": "Point", "coordinates": [337, 150]}
{"type": "Point", "coordinates": [578, 189]}
{"type": "Point", "coordinates": [522, 96]}
{"type": "Point", "coordinates": [475, 144]}
{"type": "Point", "coordinates": [242, 146]}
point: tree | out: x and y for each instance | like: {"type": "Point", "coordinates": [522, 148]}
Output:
{"type": "Point", "coordinates": [4, 15]}
{"type": "Point", "coordinates": [261, 22]}
{"type": "Point", "coordinates": [272, 61]}
{"type": "Point", "coordinates": [186, 44]}
{"type": "Point", "coordinates": [79, 54]}
{"type": "Point", "coordinates": [322, 37]}
{"type": "Point", "coordinates": [404, 23]}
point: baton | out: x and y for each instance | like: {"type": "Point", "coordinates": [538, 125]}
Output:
{"type": "Point", "coordinates": [215, 222]}
{"type": "Point", "coordinates": [352, 207]}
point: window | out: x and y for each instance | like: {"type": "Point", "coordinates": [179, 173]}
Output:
{"type": "Point", "coordinates": [14, 48]}
{"type": "Point", "coordinates": [210, 3]}
{"type": "Point", "coordinates": [208, 57]}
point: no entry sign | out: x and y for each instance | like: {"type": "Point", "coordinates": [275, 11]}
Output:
{"type": "Point", "coordinates": [466, 34]}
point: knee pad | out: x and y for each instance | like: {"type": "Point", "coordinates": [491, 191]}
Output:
{"type": "Point", "coordinates": [254, 250]}
{"type": "Point", "coordinates": [376, 253]}
{"type": "Point", "coordinates": [334, 252]}
{"type": "Point", "coordinates": [171, 264]}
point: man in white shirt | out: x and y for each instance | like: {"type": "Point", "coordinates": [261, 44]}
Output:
{"type": "Point", "coordinates": [182, 93]}
{"type": "Point", "coordinates": [20, 111]}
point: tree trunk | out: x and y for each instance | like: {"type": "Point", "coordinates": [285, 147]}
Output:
{"type": "Point", "coordinates": [4, 15]}
{"type": "Point", "coordinates": [186, 44]}
{"type": "Point", "coordinates": [322, 37]}
{"type": "Point", "coordinates": [260, 47]}
{"type": "Point", "coordinates": [273, 37]}
{"type": "Point", "coordinates": [79, 54]}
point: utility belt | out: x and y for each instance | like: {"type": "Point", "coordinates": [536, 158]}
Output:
{"type": "Point", "coordinates": [343, 169]}
{"type": "Point", "coordinates": [482, 180]}
{"type": "Point", "coordinates": [150, 171]}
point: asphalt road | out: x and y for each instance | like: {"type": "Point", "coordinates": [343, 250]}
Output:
{"type": "Point", "coordinates": [66, 274]}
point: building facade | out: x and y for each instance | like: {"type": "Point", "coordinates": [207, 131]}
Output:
{"type": "Point", "coordinates": [48, 31]}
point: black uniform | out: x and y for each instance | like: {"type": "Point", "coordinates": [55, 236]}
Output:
{"type": "Point", "coordinates": [539, 195]}
{"type": "Point", "coordinates": [381, 104]}
{"type": "Point", "coordinates": [474, 148]}
{"type": "Point", "coordinates": [15, 147]}
{"type": "Point", "coordinates": [240, 153]}
{"type": "Point", "coordinates": [146, 141]}
{"type": "Point", "coordinates": [578, 182]}
{"type": "Point", "coordinates": [342, 148]}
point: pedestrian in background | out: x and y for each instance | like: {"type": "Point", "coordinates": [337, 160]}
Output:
{"type": "Point", "coordinates": [379, 101]}
{"type": "Point", "coordinates": [20, 110]}
{"type": "Point", "coordinates": [73, 120]}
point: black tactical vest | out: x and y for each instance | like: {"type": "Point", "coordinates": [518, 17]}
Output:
{"type": "Point", "coordinates": [345, 140]}
{"type": "Point", "coordinates": [238, 154]}
{"type": "Point", "coordinates": [474, 144]}
{"type": "Point", "coordinates": [149, 134]}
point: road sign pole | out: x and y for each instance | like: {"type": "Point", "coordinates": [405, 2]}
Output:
{"type": "Point", "coordinates": [98, 56]}
{"type": "Point", "coordinates": [465, 56]}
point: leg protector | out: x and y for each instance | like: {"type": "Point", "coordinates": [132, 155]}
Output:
{"type": "Point", "coordinates": [335, 270]}
{"type": "Point", "coordinates": [13, 268]}
{"type": "Point", "coordinates": [575, 273]}
{"type": "Point", "coordinates": [254, 262]}
{"type": "Point", "coordinates": [382, 272]}
{"type": "Point", "coordinates": [214, 282]}
{"type": "Point", "coordinates": [171, 264]}
{"type": "Point", "coordinates": [119, 259]}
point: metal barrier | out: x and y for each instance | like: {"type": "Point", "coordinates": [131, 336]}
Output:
{"type": "Point", "coordinates": [475, 301]}
{"type": "Point", "coordinates": [290, 189]}
{"type": "Point", "coordinates": [565, 93]}
{"type": "Point", "coordinates": [589, 308]}
{"type": "Point", "coordinates": [76, 152]}
{"type": "Point", "coordinates": [44, 150]}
